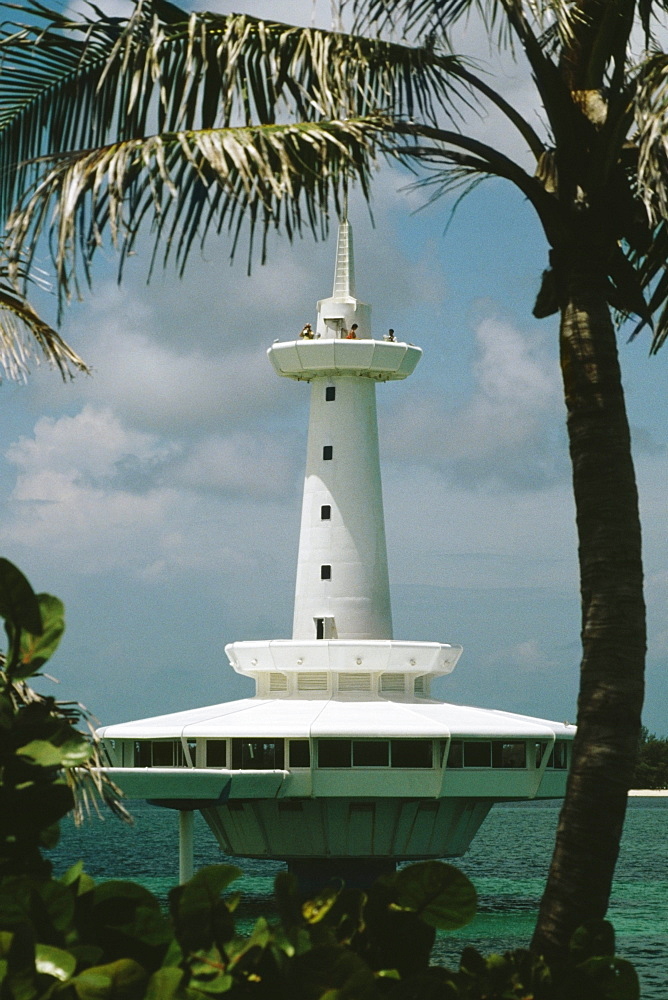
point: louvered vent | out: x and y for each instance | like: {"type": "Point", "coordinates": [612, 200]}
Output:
{"type": "Point", "coordinates": [420, 686]}
{"type": "Point", "coordinates": [312, 681]}
{"type": "Point", "coordinates": [354, 682]}
{"type": "Point", "coordinates": [391, 683]}
{"type": "Point", "coordinates": [278, 682]}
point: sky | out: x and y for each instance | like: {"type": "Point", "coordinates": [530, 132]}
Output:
{"type": "Point", "coordinates": [160, 497]}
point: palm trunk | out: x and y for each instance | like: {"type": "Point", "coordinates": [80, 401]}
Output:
{"type": "Point", "coordinates": [613, 615]}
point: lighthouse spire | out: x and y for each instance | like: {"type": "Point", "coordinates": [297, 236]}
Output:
{"type": "Point", "coordinates": [344, 271]}
{"type": "Point", "coordinates": [337, 314]}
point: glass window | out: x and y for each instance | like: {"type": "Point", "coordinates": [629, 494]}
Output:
{"type": "Point", "coordinates": [477, 753]}
{"type": "Point", "coordinates": [371, 753]}
{"type": "Point", "coordinates": [143, 756]}
{"type": "Point", "coordinates": [330, 393]}
{"type": "Point", "coordinates": [325, 512]}
{"type": "Point", "coordinates": [163, 753]}
{"type": "Point", "coordinates": [509, 754]}
{"type": "Point", "coordinates": [300, 753]}
{"type": "Point", "coordinates": [257, 755]}
{"type": "Point", "coordinates": [456, 754]}
{"type": "Point", "coordinates": [411, 753]}
{"type": "Point", "coordinates": [325, 572]}
{"type": "Point", "coordinates": [540, 751]}
{"type": "Point", "coordinates": [328, 452]}
{"type": "Point", "coordinates": [333, 753]}
{"type": "Point", "coordinates": [559, 756]}
{"type": "Point", "coordinates": [216, 753]}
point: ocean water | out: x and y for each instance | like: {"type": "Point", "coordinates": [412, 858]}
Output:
{"type": "Point", "coordinates": [507, 862]}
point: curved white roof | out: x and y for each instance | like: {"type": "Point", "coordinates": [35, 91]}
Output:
{"type": "Point", "coordinates": [298, 718]}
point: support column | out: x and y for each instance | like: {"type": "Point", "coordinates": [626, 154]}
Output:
{"type": "Point", "coordinates": [186, 844]}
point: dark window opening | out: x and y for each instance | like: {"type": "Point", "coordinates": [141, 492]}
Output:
{"type": "Point", "coordinates": [371, 753]}
{"type": "Point", "coordinates": [163, 754]}
{"type": "Point", "coordinates": [456, 754]}
{"type": "Point", "coordinates": [411, 753]}
{"type": "Point", "coordinates": [320, 628]}
{"type": "Point", "coordinates": [216, 753]}
{"type": "Point", "coordinates": [330, 393]}
{"type": "Point", "coordinates": [507, 754]}
{"type": "Point", "coordinates": [325, 574]}
{"type": "Point", "coordinates": [257, 755]}
{"type": "Point", "coordinates": [334, 753]}
{"type": "Point", "coordinates": [325, 512]}
{"type": "Point", "coordinates": [328, 452]}
{"type": "Point", "coordinates": [559, 756]}
{"type": "Point", "coordinates": [300, 753]}
{"type": "Point", "coordinates": [478, 754]}
{"type": "Point", "coordinates": [159, 753]}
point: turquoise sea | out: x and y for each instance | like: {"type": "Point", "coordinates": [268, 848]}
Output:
{"type": "Point", "coordinates": [507, 862]}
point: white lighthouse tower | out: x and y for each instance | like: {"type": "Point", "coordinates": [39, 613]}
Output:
{"type": "Point", "coordinates": [343, 589]}
{"type": "Point", "coordinates": [342, 759]}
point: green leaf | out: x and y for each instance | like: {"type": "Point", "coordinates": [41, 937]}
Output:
{"type": "Point", "coordinates": [593, 939]}
{"type": "Point", "coordinates": [72, 873]}
{"type": "Point", "coordinates": [36, 649]}
{"type": "Point", "coordinates": [164, 984]}
{"type": "Point", "coordinates": [203, 891]}
{"type": "Point", "coordinates": [54, 962]}
{"type": "Point", "coordinates": [18, 603]}
{"type": "Point", "coordinates": [123, 978]}
{"type": "Point", "coordinates": [439, 894]}
{"type": "Point", "coordinates": [72, 753]}
{"type": "Point", "coordinates": [59, 903]}
{"type": "Point", "coordinates": [313, 910]}
{"type": "Point", "coordinates": [614, 978]}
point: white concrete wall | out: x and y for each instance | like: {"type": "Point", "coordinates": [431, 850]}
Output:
{"type": "Point", "coordinates": [352, 542]}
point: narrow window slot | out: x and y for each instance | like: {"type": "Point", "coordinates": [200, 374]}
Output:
{"type": "Point", "coordinates": [325, 512]}
{"type": "Point", "coordinates": [330, 393]}
{"type": "Point", "coordinates": [327, 452]}
{"type": "Point", "coordinates": [325, 572]}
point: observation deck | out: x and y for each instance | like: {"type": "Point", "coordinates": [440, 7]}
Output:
{"type": "Point", "coordinates": [381, 360]}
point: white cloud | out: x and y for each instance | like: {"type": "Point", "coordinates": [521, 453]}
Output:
{"type": "Point", "coordinates": [100, 495]}
{"type": "Point", "coordinates": [505, 431]}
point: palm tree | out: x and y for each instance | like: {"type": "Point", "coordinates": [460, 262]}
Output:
{"type": "Point", "coordinates": [210, 122]}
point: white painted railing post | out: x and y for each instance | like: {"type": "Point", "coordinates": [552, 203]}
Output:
{"type": "Point", "coordinates": [186, 844]}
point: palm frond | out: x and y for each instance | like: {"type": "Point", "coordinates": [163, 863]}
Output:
{"type": "Point", "coordinates": [184, 183]}
{"type": "Point", "coordinates": [68, 84]}
{"type": "Point", "coordinates": [25, 338]}
{"type": "Point", "coordinates": [651, 114]}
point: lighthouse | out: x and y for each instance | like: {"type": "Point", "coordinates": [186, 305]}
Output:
{"type": "Point", "coordinates": [341, 762]}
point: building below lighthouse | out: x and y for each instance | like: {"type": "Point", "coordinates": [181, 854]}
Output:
{"type": "Point", "coordinates": [341, 759]}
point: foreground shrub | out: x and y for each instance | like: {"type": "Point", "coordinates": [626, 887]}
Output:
{"type": "Point", "coordinates": [72, 939]}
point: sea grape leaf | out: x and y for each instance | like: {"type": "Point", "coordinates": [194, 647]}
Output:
{"type": "Point", "coordinates": [123, 978]}
{"type": "Point", "coordinates": [72, 873]}
{"type": "Point", "coordinates": [18, 602]}
{"type": "Point", "coordinates": [439, 894]}
{"type": "Point", "coordinates": [201, 915]}
{"type": "Point", "coordinates": [593, 939]}
{"type": "Point", "coordinates": [54, 962]}
{"type": "Point", "coordinates": [313, 910]}
{"type": "Point", "coordinates": [117, 893]}
{"type": "Point", "coordinates": [72, 753]}
{"type": "Point", "coordinates": [614, 978]}
{"type": "Point", "coordinates": [36, 648]}
{"type": "Point", "coordinates": [164, 984]}
{"type": "Point", "coordinates": [59, 903]}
